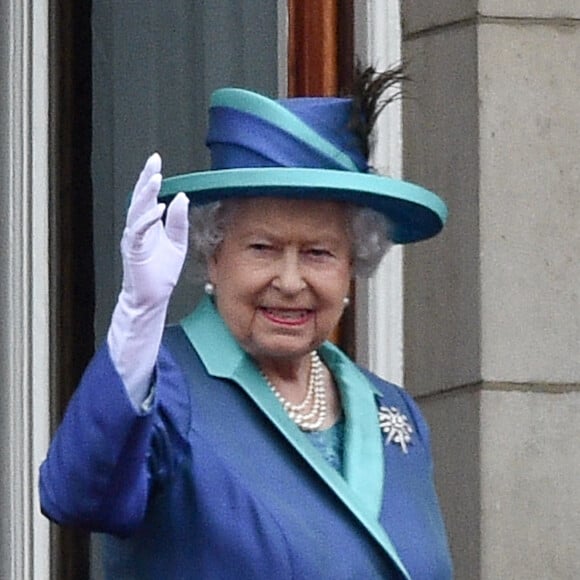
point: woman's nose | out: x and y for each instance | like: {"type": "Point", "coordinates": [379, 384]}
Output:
{"type": "Point", "coordinates": [289, 277]}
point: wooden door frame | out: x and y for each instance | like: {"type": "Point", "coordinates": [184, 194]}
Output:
{"type": "Point", "coordinates": [320, 47]}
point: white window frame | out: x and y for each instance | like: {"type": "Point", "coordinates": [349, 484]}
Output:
{"type": "Point", "coordinates": [24, 303]}
{"type": "Point", "coordinates": [379, 300]}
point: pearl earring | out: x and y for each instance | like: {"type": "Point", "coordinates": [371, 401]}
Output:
{"type": "Point", "coordinates": [209, 289]}
{"type": "Point", "coordinates": [346, 301]}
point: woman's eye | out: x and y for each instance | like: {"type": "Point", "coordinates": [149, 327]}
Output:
{"type": "Point", "coordinates": [319, 252]}
{"type": "Point", "coordinates": [260, 247]}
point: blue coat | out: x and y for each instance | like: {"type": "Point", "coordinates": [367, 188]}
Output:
{"type": "Point", "coordinates": [214, 481]}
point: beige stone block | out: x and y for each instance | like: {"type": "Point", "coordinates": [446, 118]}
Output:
{"type": "Point", "coordinates": [554, 9]}
{"type": "Point", "coordinates": [530, 202]}
{"type": "Point", "coordinates": [440, 141]}
{"type": "Point", "coordinates": [424, 16]}
{"type": "Point", "coordinates": [507, 467]}
{"type": "Point", "coordinates": [454, 422]}
{"type": "Point", "coordinates": [530, 469]}
{"type": "Point", "coordinates": [418, 16]}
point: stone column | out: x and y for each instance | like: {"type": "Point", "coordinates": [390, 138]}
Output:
{"type": "Point", "coordinates": [492, 314]}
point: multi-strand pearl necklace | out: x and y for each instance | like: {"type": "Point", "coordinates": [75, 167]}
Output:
{"type": "Point", "coordinates": [311, 412]}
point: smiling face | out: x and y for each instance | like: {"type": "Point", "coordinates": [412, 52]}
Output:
{"type": "Point", "coordinates": [281, 274]}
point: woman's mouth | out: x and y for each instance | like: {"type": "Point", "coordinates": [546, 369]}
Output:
{"type": "Point", "coordinates": [287, 316]}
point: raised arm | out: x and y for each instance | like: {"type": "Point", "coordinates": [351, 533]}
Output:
{"type": "Point", "coordinates": [153, 255]}
{"type": "Point", "coordinates": [96, 472]}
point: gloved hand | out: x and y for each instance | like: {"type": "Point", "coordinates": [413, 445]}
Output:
{"type": "Point", "coordinates": [153, 256]}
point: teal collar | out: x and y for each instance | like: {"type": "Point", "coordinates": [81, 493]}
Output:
{"type": "Point", "coordinates": [362, 486]}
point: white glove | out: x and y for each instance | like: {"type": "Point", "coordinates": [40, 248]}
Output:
{"type": "Point", "coordinates": [153, 256]}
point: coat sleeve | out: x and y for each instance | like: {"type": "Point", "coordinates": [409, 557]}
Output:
{"type": "Point", "coordinates": [96, 474]}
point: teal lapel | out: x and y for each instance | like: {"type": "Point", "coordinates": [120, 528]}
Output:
{"type": "Point", "coordinates": [361, 487]}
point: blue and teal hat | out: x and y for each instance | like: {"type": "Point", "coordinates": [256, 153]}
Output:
{"type": "Point", "coordinates": [301, 148]}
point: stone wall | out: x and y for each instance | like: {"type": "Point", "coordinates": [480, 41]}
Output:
{"type": "Point", "coordinates": [492, 313]}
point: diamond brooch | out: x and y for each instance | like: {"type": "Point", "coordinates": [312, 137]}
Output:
{"type": "Point", "coordinates": [395, 425]}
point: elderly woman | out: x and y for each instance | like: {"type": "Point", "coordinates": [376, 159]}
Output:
{"type": "Point", "coordinates": [240, 443]}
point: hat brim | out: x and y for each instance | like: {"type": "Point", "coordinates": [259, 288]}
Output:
{"type": "Point", "coordinates": [416, 213]}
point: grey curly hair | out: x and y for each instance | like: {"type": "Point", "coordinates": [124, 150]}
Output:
{"type": "Point", "coordinates": [369, 232]}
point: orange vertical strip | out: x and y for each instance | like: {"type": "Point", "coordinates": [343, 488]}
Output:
{"type": "Point", "coordinates": [313, 48]}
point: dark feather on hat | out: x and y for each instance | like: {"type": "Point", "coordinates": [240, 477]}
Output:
{"type": "Point", "coordinates": [371, 92]}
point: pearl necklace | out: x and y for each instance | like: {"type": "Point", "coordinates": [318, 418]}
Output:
{"type": "Point", "coordinates": [311, 412]}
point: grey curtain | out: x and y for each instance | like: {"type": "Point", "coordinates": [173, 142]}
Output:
{"type": "Point", "coordinates": [154, 66]}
